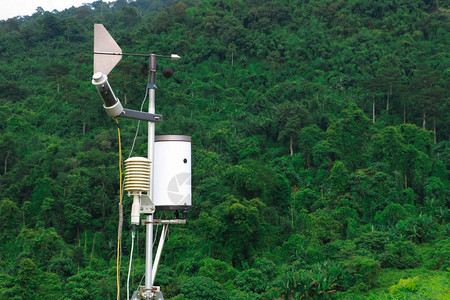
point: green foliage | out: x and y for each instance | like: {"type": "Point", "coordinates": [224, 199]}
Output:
{"type": "Point", "coordinates": [374, 241]}
{"type": "Point", "coordinates": [400, 255]}
{"type": "Point", "coordinates": [63, 267]}
{"type": "Point", "coordinates": [339, 177]}
{"type": "Point", "coordinates": [202, 288]}
{"type": "Point", "coordinates": [419, 229]}
{"type": "Point", "coordinates": [406, 285]}
{"type": "Point", "coordinates": [27, 273]}
{"type": "Point", "coordinates": [251, 280]}
{"type": "Point", "coordinates": [88, 285]}
{"type": "Point", "coordinates": [356, 90]}
{"type": "Point", "coordinates": [42, 244]}
{"type": "Point", "coordinates": [300, 249]}
{"type": "Point", "coordinates": [9, 216]}
{"type": "Point", "coordinates": [391, 215]}
{"type": "Point", "coordinates": [322, 279]}
{"type": "Point", "coordinates": [236, 227]}
{"type": "Point", "coordinates": [437, 256]}
{"type": "Point", "coordinates": [217, 270]}
{"type": "Point", "coordinates": [326, 228]}
{"type": "Point", "coordinates": [354, 127]}
{"type": "Point", "coordinates": [365, 270]}
{"type": "Point", "coordinates": [291, 117]}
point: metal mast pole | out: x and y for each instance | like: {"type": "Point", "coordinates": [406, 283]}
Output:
{"type": "Point", "coordinates": [151, 141]}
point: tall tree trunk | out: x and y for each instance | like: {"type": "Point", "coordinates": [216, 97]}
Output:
{"type": "Point", "coordinates": [291, 142]}
{"type": "Point", "coordinates": [434, 128]}
{"type": "Point", "coordinates": [93, 244]}
{"type": "Point", "coordinates": [434, 121]}
{"type": "Point", "coordinates": [84, 120]}
{"type": "Point", "coordinates": [388, 98]}
{"type": "Point", "coordinates": [292, 216]}
{"type": "Point", "coordinates": [373, 108]}
{"type": "Point", "coordinates": [292, 209]}
{"type": "Point", "coordinates": [387, 102]}
{"type": "Point", "coordinates": [57, 82]}
{"type": "Point", "coordinates": [6, 162]}
{"type": "Point", "coordinates": [424, 119]}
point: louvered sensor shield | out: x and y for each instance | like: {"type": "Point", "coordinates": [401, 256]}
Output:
{"type": "Point", "coordinates": [137, 180]}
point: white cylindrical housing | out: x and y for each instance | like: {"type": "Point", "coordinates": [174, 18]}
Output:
{"type": "Point", "coordinates": [110, 102]}
{"type": "Point", "coordinates": [172, 172]}
{"type": "Point", "coordinates": [137, 175]}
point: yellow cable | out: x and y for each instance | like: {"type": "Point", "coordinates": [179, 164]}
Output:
{"type": "Point", "coordinates": [120, 162]}
{"type": "Point", "coordinates": [120, 211]}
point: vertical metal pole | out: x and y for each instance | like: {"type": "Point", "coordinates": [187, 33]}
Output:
{"type": "Point", "coordinates": [148, 254]}
{"type": "Point", "coordinates": [151, 141]}
{"type": "Point", "coordinates": [159, 251]}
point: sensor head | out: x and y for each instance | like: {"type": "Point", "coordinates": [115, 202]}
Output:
{"type": "Point", "coordinates": [110, 102]}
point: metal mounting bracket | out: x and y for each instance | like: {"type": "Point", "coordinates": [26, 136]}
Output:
{"type": "Point", "coordinates": [139, 115]}
{"type": "Point", "coordinates": [165, 222]}
{"type": "Point", "coordinates": [147, 205]}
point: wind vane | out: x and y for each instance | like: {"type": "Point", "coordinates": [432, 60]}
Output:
{"type": "Point", "coordinates": [106, 51]}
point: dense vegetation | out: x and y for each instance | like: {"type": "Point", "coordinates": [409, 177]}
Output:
{"type": "Point", "coordinates": [320, 149]}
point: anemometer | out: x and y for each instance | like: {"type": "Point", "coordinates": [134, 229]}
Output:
{"type": "Point", "coordinates": [160, 181]}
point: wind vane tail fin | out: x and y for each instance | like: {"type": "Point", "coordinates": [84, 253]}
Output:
{"type": "Point", "coordinates": [107, 52]}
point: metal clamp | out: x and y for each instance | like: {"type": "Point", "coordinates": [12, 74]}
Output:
{"type": "Point", "coordinates": [142, 293]}
{"type": "Point", "coordinates": [147, 205]}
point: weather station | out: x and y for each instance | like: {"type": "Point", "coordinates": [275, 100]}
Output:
{"type": "Point", "coordinates": [160, 181]}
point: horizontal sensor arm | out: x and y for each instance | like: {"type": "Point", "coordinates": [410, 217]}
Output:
{"type": "Point", "coordinates": [139, 115]}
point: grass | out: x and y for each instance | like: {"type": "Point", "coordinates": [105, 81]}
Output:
{"type": "Point", "coordinates": [406, 284]}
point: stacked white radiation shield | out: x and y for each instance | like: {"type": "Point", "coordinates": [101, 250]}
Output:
{"type": "Point", "coordinates": [137, 180]}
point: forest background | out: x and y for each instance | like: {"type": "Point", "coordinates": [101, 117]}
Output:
{"type": "Point", "coordinates": [319, 142]}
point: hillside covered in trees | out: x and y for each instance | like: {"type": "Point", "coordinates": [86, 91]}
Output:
{"type": "Point", "coordinates": [320, 146]}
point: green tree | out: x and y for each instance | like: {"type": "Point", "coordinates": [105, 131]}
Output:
{"type": "Point", "coordinates": [400, 255]}
{"type": "Point", "coordinates": [326, 228]}
{"type": "Point", "coordinates": [390, 76]}
{"type": "Point", "coordinates": [291, 117]}
{"type": "Point", "coordinates": [57, 70]}
{"type": "Point", "coordinates": [10, 217]}
{"type": "Point", "coordinates": [389, 146]}
{"type": "Point", "coordinates": [199, 287]}
{"type": "Point", "coordinates": [339, 177]}
{"type": "Point", "coordinates": [391, 215]}
{"type": "Point", "coordinates": [366, 270]}
{"type": "Point", "coordinates": [217, 270]}
{"type": "Point", "coordinates": [27, 273]}
{"type": "Point", "coordinates": [77, 218]}
{"type": "Point", "coordinates": [426, 83]}
{"type": "Point", "coordinates": [354, 127]}
{"type": "Point", "coordinates": [235, 226]}
{"type": "Point", "coordinates": [308, 138]}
